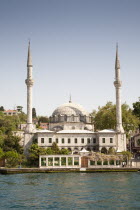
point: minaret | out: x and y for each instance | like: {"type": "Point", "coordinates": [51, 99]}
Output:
{"type": "Point", "coordinates": [29, 82]}
{"type": "Point", "coordinates": [118, 84]}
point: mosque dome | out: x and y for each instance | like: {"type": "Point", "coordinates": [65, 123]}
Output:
{"type": "Point", "coordinates": [70, 109]}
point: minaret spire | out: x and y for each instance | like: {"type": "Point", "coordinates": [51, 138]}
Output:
{"type": "Point", "coordinates": [70, 99]}
{"type": "Point", "coordinates": [29, 58]}
{"type": "Point", "coordinates": [118, 84]}
{"type": "Point", "coordinates": [29, 82]}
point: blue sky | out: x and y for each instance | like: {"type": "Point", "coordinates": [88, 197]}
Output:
{"type": "Point", "coordinates": [73, 51]}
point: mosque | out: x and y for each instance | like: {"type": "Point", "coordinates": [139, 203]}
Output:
{"type": "Point", "coordinates": [71, 125]}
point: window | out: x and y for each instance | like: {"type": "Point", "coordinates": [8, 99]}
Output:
{"type": "Point", "coordinates": [70, 161]}
{"type": "Point", "coordinates": [42, 140]}
{"type": "Point", "coordinates": [63, 141]}
{"type": "Point", "coordinates": [92, 162]}
{"type": "Point", "coordinates": [56, 161]}
{"type": "Point", "coordinates": [50, 161]}
{"type": "Point", "coordinates": [103, 140]}
{"type": "Point", "coordinates": [68, 141]}
{"type": "Point", "coordinates": [43, 161]}
{"type": "Point", "coordinates": [63, 161]}
{"type": "Point", "coordinates": [76, 161]}
{"type": "Point", "coordinates": [82, 141]}
{"type": "Point", "coordinates": [88, 141]}
{"type": "Point", "coordinates": [75, 140]}
{"type": "Point", "coordinates": [50, 140]}
{"type": "Point", "coordinates": [94, 140]}
{"type": "Point", "coordinates": [111, 140]}
{"type": "Point", "coordinates": [56, 141]}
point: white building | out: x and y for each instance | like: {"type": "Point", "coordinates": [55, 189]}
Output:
{"type": "Point", "coordinates": [70, 124]}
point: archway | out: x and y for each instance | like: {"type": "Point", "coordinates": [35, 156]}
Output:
{"type": "Point", "coordinates": [104, 150]}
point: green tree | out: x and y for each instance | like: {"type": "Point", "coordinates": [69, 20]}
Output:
{"type": "Point", "coordinates": [126, 155]}
{"type": "Point", "coordinates": [34, 152]}
{"type": "Point", "coordinates": [64, 151]}
{"type": "Point", "coordinates": [55, 149]}
{"type": "Point", "coordinates": [136, 110]}
{"type": "Point", "coordinates": [43, 119]}
{"type": "Point", "coordinates": [105, 118]}
{"type": "Point", "coordinates": [1, 108]}
{"type": "Point", "coordinates": [22, 117]}
{"type": "Point", "coordinates": [33, 112]}
{"type": "Point", "coordinates": [12, 143]}
{"type": "Point", "coordinates": [1, 153]}
{"type": "Point", "coordinates": [12, 158]}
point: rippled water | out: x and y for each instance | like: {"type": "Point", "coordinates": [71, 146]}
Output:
{"type": "Point", "coordinates": [70, 191]}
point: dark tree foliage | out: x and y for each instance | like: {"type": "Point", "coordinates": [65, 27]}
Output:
{"type": "Point", "coordinates": [43, 119]}
{"type": "Point", "coordinates": [136, 110]}
{"type": "Point", "coordinates": [33, 112]}
{"type": "Point", "coordinates": [11, 143]}
{"type": "Point", "coordinates": [1, 108]}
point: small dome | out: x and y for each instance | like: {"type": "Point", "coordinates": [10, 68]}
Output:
{"type": "Point", "coordinates": [70, 109]}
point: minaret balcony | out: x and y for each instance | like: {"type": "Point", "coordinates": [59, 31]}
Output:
{"type": "Point", "coordinates": [29, 82]}
{"type": "Point", "coordinates": [118, 83]}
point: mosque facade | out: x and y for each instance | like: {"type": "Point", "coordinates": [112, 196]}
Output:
{"type": "Point", "coordinates": [71, 125]}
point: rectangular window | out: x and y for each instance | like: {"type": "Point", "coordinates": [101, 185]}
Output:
{"type": "Point", "coordinates": [75, 140]}
{"type": "Point", "coordinates": [56, 161]}
{"type": "Point", "coordinates": [42, 140]}
{"type": "Point", "coordinates": [43, 161]}
{"type": "Point", "coordinates": [63, 161]}
{"type": "Point", "coordinates": [92, 162]}
{"type": "Point", "coordinates": [103, 140]}
{"type": "Point", "coordinates": [50, 140]}
{"type": "Point", "coordinates": [50, 161]}
{"type": "Point", "coordinates": [82, 141]}
{"type": "Point", "coordinates": [94, 140]}
{"type": "Point", "coordinates": [63, 141]}
{"type": "Point", "coordinates": [70, 161]}
{"type": "Point", "coordinates": [111, 140]}
{"type": "Point", "coordinates": [68, 141]}
{"type": "Point", "coordinates": [76, 161]}
{"type": "Point", "coordinates": [56, 141]}
{"type": "Point", "coordinates": [88, 141]}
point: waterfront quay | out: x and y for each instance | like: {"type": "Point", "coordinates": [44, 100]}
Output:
{"type": "Point", "coordinates": [65, 170]}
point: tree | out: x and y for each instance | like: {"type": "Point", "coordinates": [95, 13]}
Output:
{"type": "Point", "coordinates": [1, 153]}
{"type": "Point", "coordinates": [105, 118]}
{"type": "Point", "coordinates": [1, 108]}
{"type": "Point", "coordinates": [34, 152]}
{"type": "Point", "coordinates": [55, 148]}
{"type": "Point", "coordinates": [136, 109]}
{"type": "Point", "coordinates": [33, 112]}
{"type": "Point", "coordinates": [22, 117]}
{"type": "Point", "coordinates": [43, 119]}
{"type": "Point", "coordinates": [12, 158]}
{"type": "Point", "coordinates": [11, 143]}
{"type": "Point", "coordinates": [126, 155]}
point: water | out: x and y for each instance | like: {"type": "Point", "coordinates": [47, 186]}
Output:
{"type": "Point", "coordinates": [70, 191]}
